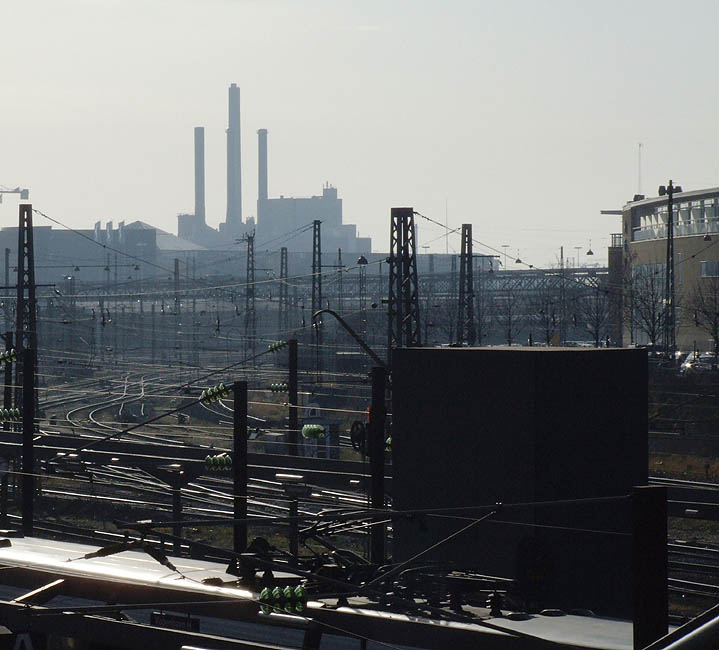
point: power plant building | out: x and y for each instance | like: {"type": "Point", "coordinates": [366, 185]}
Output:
{"type": "Point", "coordinates": [287, 218]}
{"type": "Point", "coordinates": [289, 215]}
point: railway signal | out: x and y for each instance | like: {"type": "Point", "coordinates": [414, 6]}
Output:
{"type": "Point", "coordinates": [214, 394]}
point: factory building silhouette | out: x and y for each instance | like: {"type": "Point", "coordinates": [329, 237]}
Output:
{"type": "Point", "coordinates": [275, 216]}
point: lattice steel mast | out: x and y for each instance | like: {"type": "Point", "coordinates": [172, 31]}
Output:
{"type": "Point", "coordinates": [403, 321]}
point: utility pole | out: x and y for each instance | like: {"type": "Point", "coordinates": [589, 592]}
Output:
{"type": "Point", "coordinates": [670, 315]}
{"type": "Point", "coordinates": [116, 316]}
{"type": "Point", "coordinates": [239, 466]}
{"type": "Point", "coordinates": [152, 321]}
{"type": "Point", "coordinates": [28, 433]}
{"type": "Point", "coordinates": [362, 264]}
{"type": "Point", "coordinates": [196, 351]}
{"type": "Point", "coordinates": [466, 332]}
{"type": "Point", "coordinates": [178, 322]}
{"type": "Point", "coordinates": [403, 320]}
{"type": "Point", "coordinates": [339, 281]}
{"type": "Point", "coordinates": [452, 294]}
{"type": "Point", "coordinates": [376, 456]}
{"type": "Point", "coordinates": [317, 290]}
{"type": "Point", "coordinates": [250, 315]}
{"type": "Point", "coordinates": [292, 399]}
{"type": "Point", "coordinates": [6, 292]}
{"type": "Point", "coordinates": [7, 426]}
{"type": "Point", "coordinates": [430, 297]}
{"type": "Point", "coordinates": [562, 299]}
{"type": "Point", "coordinates": [284, 306]}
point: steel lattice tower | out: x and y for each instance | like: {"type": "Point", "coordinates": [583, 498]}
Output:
{"type": "Point", "coordinates": [284, 305]}
{"type": "Point", "coordinates": [403, 319]}
{"type": "Point", "coordinates": [26, 311]}
{"type": "Point", "coordinates": [466, 331]}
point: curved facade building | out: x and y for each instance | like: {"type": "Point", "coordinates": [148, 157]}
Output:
{"type": "Point", "coordinates": [696, 265]}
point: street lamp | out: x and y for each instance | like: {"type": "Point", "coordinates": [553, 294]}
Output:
{"type": "Point", "coordinates": [670, 340]}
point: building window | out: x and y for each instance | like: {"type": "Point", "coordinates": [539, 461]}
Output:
{"type": "Point", "coordinates": [710, 269]}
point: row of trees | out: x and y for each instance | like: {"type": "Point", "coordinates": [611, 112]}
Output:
{"type": "Point", "coordinates": [559, 310]}
{"type": "Point", "coordinates": [646, 305]}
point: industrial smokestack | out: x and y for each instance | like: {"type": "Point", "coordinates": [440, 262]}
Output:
{"type": "Point", "coordinates": [234, 171]}
{"type": "Point", "coordinates": [262, 171]}
{"type": "Point", "coordinates": [200, 172]}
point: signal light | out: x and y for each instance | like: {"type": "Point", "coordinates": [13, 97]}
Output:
{"type": "Point", "coordinates": [10, 415]}
{"type": "Point", "coordinates": [8, 356]}
{"type": "Point", "coordinates": [279, 388]}
{"type": "Point", "coordinates": [214, 394]}
{"type": "Point", "coordinates": [218, 462]}
{"type": "Point", "coordinates": [313, 431]}
{"type": "Point", "coordinates": [292, 601]}
{"type": "Point", "coordinates": [277, 345]}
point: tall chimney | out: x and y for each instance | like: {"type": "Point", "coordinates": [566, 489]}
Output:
{"type": "Point", "coordinates": [262, 171]}
{"type": "Point", "coordinates": [234, 171]}
{"type": "Point", "coordinates": [200, 173]}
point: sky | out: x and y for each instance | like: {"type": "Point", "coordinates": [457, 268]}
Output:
{"type": "Point", "coordinates": [521, 117]}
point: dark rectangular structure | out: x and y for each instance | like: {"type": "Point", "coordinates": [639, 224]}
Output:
{"type": "Point", "coordinates": [477, 426]}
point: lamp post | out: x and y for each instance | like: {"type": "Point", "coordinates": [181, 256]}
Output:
{"type": "Point", "coordinates": [670, 314]}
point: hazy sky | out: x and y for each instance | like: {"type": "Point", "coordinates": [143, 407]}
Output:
{"type": "Point", "coordinates": [521, 117]}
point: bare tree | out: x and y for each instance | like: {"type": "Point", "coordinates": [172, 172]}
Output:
{"type": "Point", "coordinates": [593, 312]}
{"type": "Point", "coordinates": [508, 314]}
{"type": "Point", "coordinates": [482, 308]}
{"type": "Point", "coordinates": [704, 300]}
{"type": "Point", "coordinates": [646, 302]}
{"type": "Point", "coordinates": [544, 311]}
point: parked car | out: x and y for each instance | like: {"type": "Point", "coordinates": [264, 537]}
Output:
{"type": "Point", "coordinates": [698, 363]}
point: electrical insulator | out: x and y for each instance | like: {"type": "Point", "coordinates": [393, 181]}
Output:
{"type": "Point", "coordinates": [388, 444]}
{"type": "Point", "coordinates": [8, 356]}
{"type": "Point", "coordinates": [214, 394]}
{"type": "Point", "coordinates": [277, 345]}
{"type": "Point", "coordinates": [279, 388]}
{"type": "Point", "coordinates": [313, 431]}
{"type": "Point", "coordinates": [10, 415]}
{"type": "Point", "coordinates": [218, 462]}
{"type": "Point", "coordinates": [288, 599]}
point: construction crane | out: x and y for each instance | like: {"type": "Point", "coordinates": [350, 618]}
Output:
{"type": "Point", "coordinates": [24, 193]}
